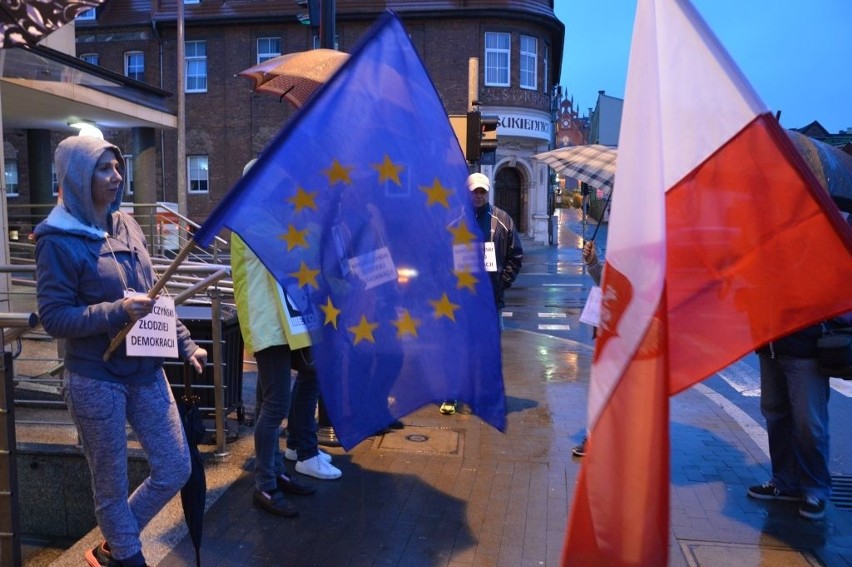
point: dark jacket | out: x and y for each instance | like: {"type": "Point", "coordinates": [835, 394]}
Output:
{"type": "Point", "coordinates": [497, 226]}
{"type": "Point", "coordinates": [801, 344]}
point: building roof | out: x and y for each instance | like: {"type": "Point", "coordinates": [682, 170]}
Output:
{"type": "Point", "coordinates": [42, 88]}
{"type": "Point", "coordinates": [163, 13]}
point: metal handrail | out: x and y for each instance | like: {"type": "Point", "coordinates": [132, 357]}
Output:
{"type": "Point", "coordinates": [166, 231]}
{"type": "Point", "coordinates": [10, 524]}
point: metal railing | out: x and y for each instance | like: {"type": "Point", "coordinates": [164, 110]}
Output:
{"type": "Point", "coordinates": [166, 231]}
{"type": "Point", "coordinates": [10, 531]}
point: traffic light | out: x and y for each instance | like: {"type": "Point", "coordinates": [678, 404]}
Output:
{"type": "Point", "coordinates": [488, 126]}
{"type": "Point", "coordinates": [481, 135]}
{"type": "Point", "coordinates": [312, 18]}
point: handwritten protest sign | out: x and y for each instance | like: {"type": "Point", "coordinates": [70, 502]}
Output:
{"type": "Point", "coordinates": [156, 333]}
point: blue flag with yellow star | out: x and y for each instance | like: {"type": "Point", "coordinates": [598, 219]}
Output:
{"type": "Point", "coordinates": [360, 209]}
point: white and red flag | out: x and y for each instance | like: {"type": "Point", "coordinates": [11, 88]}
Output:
{"type": "Point", "coordinates": [720, 240]}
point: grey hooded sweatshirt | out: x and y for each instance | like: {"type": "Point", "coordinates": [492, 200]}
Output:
{"type": "Point", "coordinates": [83, 271]}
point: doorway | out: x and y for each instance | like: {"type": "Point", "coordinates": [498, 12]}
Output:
{"type": "Point", "coordinates": [507, 195]}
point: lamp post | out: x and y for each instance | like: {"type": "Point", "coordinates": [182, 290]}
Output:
{"type": "Point", "coordinates": [326, 435]}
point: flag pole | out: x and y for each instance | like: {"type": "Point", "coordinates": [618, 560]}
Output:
{"type": "Point", "coordinates": [161, 283]}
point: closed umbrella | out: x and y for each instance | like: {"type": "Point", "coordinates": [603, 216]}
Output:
{"type": "Point", "coordinates": [193, 495]}
{"type": "Point", "coordinates": [26, 22]}
{"type": "Point", "coordinates": [295, 76]}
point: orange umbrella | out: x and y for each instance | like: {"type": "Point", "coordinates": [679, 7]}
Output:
{"type": "Point", "coordinates": [295, 76]}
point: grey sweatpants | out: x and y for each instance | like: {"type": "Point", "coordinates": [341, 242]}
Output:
{"type": "Point", "coordinates": [100, 410]}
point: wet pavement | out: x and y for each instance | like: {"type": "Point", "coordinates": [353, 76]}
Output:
{"type": "Point", "coordinates": [450, 490]}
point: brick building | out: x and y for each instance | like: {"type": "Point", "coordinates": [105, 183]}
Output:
{"type": "Point", "coordinates": [519, 44]}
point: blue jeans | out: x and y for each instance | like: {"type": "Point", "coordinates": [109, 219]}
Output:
{"type": "Point", "coordinates": [302, 424]}
{"type": "Point", "coordinates": [273, 392]}
{"type": "Point", "coordinates": [794, 401]}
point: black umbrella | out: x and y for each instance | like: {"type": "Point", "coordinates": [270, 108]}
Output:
{"type": "Point", "coordinates": [25, 22]}
{"type": "Point", "coordinates": [193, 495]}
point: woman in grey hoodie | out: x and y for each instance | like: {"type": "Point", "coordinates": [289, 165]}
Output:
{"type": "Point", "coordinates": [93, 273]}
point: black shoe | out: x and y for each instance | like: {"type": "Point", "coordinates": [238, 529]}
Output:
{"type": "Point", "coordinates": [812, 508]}
{"type": "Point", "coordinates": [579, 450]}
{"type": "Point", "coordinates": [768, 491]}
{"type": "Point", "coordinates": [396, 424]}
{"type": "Point", "coordinates": [274, 502]}
{"type": "Point", "coordinates": [292, 485]}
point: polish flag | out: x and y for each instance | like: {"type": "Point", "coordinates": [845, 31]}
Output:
{"type": "Point", "coordinates": [720, 240]}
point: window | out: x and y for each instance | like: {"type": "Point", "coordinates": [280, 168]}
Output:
{"type": "Point", "coordinates": [92, 58]}
{"type": "Point", "coordinates": [134, 65]}
{"type": "Point", "coordinates": [497, 59]}
{"type": "Point", "coordinates": [11, 166]}
{"type": "Point", "coordinates": [529, 62]}
{"type": "Point", "coordinates": [197, 174]}
{"type": "Point", "coordinates": [55, 181]}
{"type": "Point", "coordinates": [128, 175]}
{"type": "Point", "coordinates": [196, 66]}
{"type": "Point", "coordinates": [267, 48]}
{"type": "Point", "coordinates": [546, 63]}
{"type": "Point", "coordinates": [87, 16]}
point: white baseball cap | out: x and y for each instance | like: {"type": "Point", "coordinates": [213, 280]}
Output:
{"type": "Point", "coordinates": [478, 181]}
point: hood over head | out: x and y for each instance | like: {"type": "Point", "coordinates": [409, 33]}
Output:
{"type": "Point", "coordinates": [75, 160]}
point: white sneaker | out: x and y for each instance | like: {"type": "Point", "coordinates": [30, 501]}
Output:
{"type": "Point", "coordinates": [318, 468]}
{"type": "Point", "coordinates": [290, 455]}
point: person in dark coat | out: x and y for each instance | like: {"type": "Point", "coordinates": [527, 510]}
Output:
{"type": "Point", "coordinates": [794, 402]}
{"type": "Point", "coordinates": [504, 254]}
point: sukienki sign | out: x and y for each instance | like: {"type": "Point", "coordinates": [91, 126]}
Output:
{"type": "Point", "coordinates": [521, 123]}
{"type": "Point", "coordinates": [156, 333]}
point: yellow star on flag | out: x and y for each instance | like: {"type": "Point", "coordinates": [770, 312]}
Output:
{"type": "Point", "coordinates": [363, 331]}
{"type": "Point", "coordinates": [303, 199]}
{"type": "Point", "coordinates": [437, 193]}
{"type": "Point", "coordinates": [465, 280]}
{"type": "Point", "coordinates": [461, 234]}
{"type": "Point", "coordinates": [306, 276]}
{"type": "Point", "coordinates": [295, 237]}
{"type": "Point", "coordinates": [406, 325]}
{"type": "Point", "coordinates": [331, 313]}
{"type": "Point", "coordinates": [388, 170]}
{"type": "Point", "coordinates": [338, 173]}
{"type": "Point", "coordinates": [445, 308]}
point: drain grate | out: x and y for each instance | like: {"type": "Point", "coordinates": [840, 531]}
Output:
{"type": "Point", "coordinates": [418, 439]}
{"type": "Point", "coordinates": [841, 491]}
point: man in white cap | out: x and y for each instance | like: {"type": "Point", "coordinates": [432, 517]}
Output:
{"type": "Point", "coordinates": [503, 251]}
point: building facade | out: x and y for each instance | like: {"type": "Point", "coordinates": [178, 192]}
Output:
{"type": "Point", "coordinates": [519, 44]}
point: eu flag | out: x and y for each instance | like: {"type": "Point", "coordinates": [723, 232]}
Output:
{"type": "Point", "coordinates": [359, 208]}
